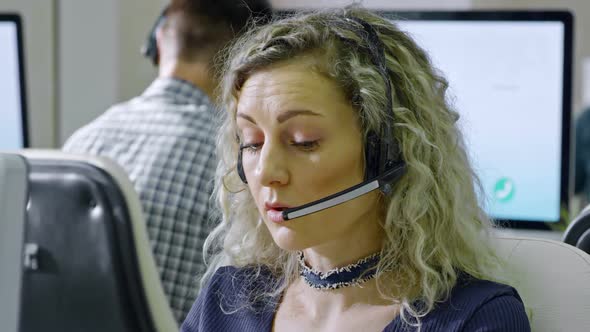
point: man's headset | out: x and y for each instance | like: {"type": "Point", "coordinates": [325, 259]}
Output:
{"type": "Point", "coordinates": [384, 165]}
{"type": "Point", "coordinates": [150, 48]}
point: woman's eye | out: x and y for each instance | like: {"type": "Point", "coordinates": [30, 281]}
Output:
{"type": "Point", "coordinates": [253, 147]}
{"type": "Point", "coordinates": [307, 145]}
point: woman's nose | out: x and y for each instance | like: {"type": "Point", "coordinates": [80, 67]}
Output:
{"type": "Point", "coordinates": [271, 169]}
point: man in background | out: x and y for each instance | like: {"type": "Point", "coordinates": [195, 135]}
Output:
{"type": "Point", "coordinates": [165, 138]}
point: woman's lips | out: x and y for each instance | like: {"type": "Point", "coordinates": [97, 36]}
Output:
{"type": "Point", "coordinates": [275, 215]}
{"type": "Point", "coordinates": [274, 211]}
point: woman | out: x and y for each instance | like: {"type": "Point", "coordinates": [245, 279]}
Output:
{"type": "Point", "coordinates": [317, 104]}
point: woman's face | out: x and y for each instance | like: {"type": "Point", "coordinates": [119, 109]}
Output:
{"type": "Point", "coordinates": [302, 141]}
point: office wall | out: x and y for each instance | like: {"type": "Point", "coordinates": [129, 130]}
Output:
{"type": "Point", "coordinates": [135, 72]}
{"type": "Point", "coordinates": [99, 59]}
{"type": "Point", "coordinates": [39, 27]}
{"type": "Point", "coordinates": [100, 62]}
{"type": "Point", "coordinates": [87, 61]}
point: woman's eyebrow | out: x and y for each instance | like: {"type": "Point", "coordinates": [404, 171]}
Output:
{"type": "Point", "coordinates": [246, 117]}
{"type": "Point", "coordinates": [284, 116]}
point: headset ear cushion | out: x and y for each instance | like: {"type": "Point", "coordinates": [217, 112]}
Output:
{"type": "Point", "coordinates": [240, 168]}
{"type": "Point", "coordinates": [151, 51]}
{"type": "Point", "coordinates": [154, 54]}
{"type": "Point", "coordinates": [150, 48]}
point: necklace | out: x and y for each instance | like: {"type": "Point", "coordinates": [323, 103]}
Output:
{"type": "Point", "coordinates": [350, 275]}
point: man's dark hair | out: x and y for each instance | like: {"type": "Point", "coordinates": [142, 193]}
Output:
{"type": "Point", "coordinates": [202, 27]}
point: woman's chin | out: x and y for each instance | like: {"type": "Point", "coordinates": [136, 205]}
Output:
{"type": "Point", "coordinates": [288, 239]}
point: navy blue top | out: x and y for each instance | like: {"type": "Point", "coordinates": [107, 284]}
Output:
{"type": "Point", "coordinates": [474, 305]}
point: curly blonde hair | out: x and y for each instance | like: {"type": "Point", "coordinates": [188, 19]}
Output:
{"type": "Point", "coordinates": [434, 226]}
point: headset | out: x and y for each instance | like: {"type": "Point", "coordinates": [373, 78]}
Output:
{"type": "Point", "coordinates": [150, 48]}
{"type": "Point", "coordinates": [384, 165]}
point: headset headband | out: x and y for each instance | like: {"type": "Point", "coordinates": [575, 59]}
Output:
{"type": "Point", "coordinates": [382, 150]}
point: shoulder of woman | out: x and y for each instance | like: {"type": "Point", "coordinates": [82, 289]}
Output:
{"type": "Point", "coordinates": [497, 307]}
{"type": "Point", "coordinates": [480, 291]}
{"type": "Point", "coordinates": [475, 301]}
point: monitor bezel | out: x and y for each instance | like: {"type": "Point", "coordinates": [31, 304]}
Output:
{"type": "Point", "coordinates": [564, 17]}
{"type": "Point", "coordinates": [16, 19]}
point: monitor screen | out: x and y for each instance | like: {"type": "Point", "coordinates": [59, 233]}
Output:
{"type": "Point", "coordinates": [509, 77]}
{"type": "Point", "coordinates": [13, 132]}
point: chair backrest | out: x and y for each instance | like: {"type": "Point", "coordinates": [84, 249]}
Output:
{"type": "Point", "coordinates": [95, 269]}
{"type": "Point", "coordinates": [13, 199]}
{"type": "Point", "coordinates": [578, 231]}
{"type": "Point", "coordinates": [553, 279]}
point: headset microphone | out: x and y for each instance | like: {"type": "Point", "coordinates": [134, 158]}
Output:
{"type": "Point", "coordinates": [383, 181]}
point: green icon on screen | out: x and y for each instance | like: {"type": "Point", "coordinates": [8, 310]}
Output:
{"type": "Point", "coordinates": [504, 190]}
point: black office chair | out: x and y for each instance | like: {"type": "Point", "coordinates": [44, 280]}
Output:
{"type": "Point", "coordinates": [578, 232]}
{"type": "Point", "coordinates": [90, 266]}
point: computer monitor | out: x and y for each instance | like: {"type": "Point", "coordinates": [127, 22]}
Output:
{"type": "Point", "coordinates": [13, 110]}
{"type": "Point", "coordinates": [509, 77]}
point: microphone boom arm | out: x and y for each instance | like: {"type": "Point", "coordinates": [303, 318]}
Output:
{"type": "Point", "coordinates": [382, 181]}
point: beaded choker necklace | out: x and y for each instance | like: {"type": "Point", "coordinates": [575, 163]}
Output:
{"type": "Point", "coordinates": [349, 275]}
